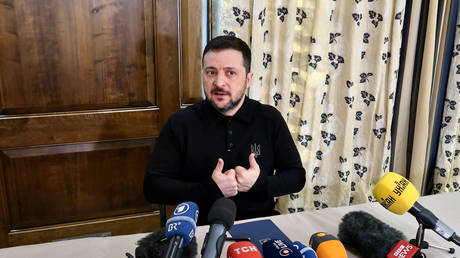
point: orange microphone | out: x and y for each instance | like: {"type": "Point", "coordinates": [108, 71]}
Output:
{"type": "Point", "coordinates": [243, 249]}
{"type": "Point", "coordinates": [327, 246]}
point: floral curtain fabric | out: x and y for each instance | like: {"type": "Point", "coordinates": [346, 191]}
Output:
{"type": "Point", "coordinates": [330, 67]}
{"type": "Point", "coordinates": [447, 171]}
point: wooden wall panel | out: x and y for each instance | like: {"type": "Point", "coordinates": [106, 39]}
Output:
{"type": "Point", "coordinates": [143, 222]}
{"type": "Point", "coordinates": [75, 55]}
{"type": "Point", "coordinates": [191, 85]}
{"type": "Point", "coordinates": [8, 48]}
{"type": "Point", "coordinates": [85, 88]}
{"type": "Point", "coordinates": [33, 130]}
{"type": "Point", "coordinates": [57, 184]}
{"type": "Point", "coordinates": [4, 214]}
{"type": "Point", "coordinates": [166, 39]}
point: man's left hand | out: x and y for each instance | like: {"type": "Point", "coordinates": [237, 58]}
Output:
{"type": "Point", "coordinates": [246, 178]}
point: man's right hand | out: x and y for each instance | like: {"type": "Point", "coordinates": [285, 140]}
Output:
{"type": "Point", "coordinates": [225, 181]}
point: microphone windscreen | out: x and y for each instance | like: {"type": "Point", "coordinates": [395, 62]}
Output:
{"type": "Point", "coordinates": [222, 211]}
{"type": "Point", "coordinates": [155, 245]}
{"type": "Point", "coordinates": [395, 193]}
{"type": "Point", "coordinates": [305, 251]}
{"type": "Point", "coordinates": [183, 222]}
{"type": "Point", "coordinates": [327, 246]}
{"type": "Point", "coordinates": [367, 236]}
{"type": "Point", "coordinates": [243, 249]}
{"type": "Point", "coordinates": [278, 248]}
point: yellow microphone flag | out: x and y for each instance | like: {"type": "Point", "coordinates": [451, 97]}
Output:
{"type": "Point", "coordinates": [395, 193]}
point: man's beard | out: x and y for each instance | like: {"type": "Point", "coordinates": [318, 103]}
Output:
{"type": "Point", "coordinates": [231, 104]}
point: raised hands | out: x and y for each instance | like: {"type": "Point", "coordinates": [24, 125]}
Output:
{"type": "Point", "coordinates": [247, 177]}
{"type": "Point", "coordinates": [236, 180]}
{"type": "Point", "coordinates": [225, 181]}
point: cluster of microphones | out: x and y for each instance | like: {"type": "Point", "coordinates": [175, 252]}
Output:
{"type": "Point", "coordinates": [359, 232]}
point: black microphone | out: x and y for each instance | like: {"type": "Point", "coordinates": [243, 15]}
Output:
{"type": "Point", "coordinates": [398, 195]}
{"type": "Point", "coordinates": [367, 236]}
{"type": "Point", "coordinates": [430, 221]}
{"type": "Point", "coordinates": [221, 217]}
{"type": "Point", "coordinates": [155, 245]}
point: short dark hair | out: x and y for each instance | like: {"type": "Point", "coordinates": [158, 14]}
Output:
{"type": "Point", "coordinates": [230, 42]}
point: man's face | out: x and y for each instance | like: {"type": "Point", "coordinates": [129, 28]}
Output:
{"type": "Point", "coordinates": [225, 80]}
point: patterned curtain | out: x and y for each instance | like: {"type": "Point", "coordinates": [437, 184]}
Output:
{"type": "Point", "coordinates": [330, 67]}
{"type": "Point", "coordinates": [446, 176]}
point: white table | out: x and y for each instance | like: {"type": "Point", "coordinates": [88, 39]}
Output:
{"type": "Point", "coordinates": [300, 226]}
{"type": "Point", "coordinates": [297, 226]}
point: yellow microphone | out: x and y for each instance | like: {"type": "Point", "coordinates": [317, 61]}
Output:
{"type": "Point", "coordinates": [395, 193]}
{"type": "Point", "coordinates": [398, 195]}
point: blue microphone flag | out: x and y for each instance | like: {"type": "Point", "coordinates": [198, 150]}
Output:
{"type": "Point", "coordinates": [278, 248]}
{"type": "Point", "coordinates": [183, 222]}
{"type": "Point", "coordinates": [305, 251]}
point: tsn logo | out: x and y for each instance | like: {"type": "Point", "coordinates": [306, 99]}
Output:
{"type": "Point", "coordinates": [245, 249]}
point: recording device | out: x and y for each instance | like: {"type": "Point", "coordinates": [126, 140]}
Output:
{"type": "Point", "coordinates": [243, 249]}
{"type": "Point", "coordinates": [367, 236]}
{"type": "Point", "coordinates": [221, 217]}
{"type": "Point", "coordinates": [397, 194]}
{"type": "Point", "coordinates": [305, 251]}
{"type": "Point", "coordinates": [181, 228]}
{"type": "Point", "coordinates": [155, 245]}
{"type": "Point", "coordinates": [327, 246]}
{"type": "Point", "coordinates": [278, 248]}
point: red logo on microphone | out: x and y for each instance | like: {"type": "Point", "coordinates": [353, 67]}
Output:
{"type": "Point", "coordinates": [402, 249]}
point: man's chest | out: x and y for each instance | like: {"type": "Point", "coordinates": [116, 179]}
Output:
{"type": "Point", "coordinates": [232, 143]}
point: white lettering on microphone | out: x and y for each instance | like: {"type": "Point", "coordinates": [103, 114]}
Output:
{"type": "Point", "coordinates": [399, 250]}
{"type": "Point", "coordinates": [280, 244]}
{"type": "Point", "coordinates": [253, 249]}
{"type": "Point", "coordinates": [402, 251]}
{"type": "Point", "coordinates": [245, 249]}
{"type": "Point", "coordinates": [173, 226]}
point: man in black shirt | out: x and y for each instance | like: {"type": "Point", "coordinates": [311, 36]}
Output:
{"type": "Point", "coordinates": [227, 145]}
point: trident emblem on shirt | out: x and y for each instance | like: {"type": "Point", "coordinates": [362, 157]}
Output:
{"type": "Point", "coordinates": [255, 148]}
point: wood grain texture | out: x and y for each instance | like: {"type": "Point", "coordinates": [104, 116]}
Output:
{"type": "Point", "coordinates": [139, 223]}
{"type": "Point", "coordinates": [166, 39]}
{"type": "Point", "coordinates": [4, 215]}
{"type": "Point", "coordinates": [75, 55]}
{"type": "Point", "coordinates": [150, 50]}
{"type": "Point", "coordinates": [9, 51]}
{"type": "Point", "coordinates": [59, 184]}
{"type": "Point", "coordinates": [191, 85]}
{"type": "Point", "coordinates": [77, 127]}
{"type": "Point", "coordinates": [85, 87]}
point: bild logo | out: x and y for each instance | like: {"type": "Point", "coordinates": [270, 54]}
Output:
{"type": "Point", "coordinates": [181, 209]}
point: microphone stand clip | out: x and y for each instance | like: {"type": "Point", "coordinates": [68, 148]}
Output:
{"type": "Point", "coordinates": [422, 244]}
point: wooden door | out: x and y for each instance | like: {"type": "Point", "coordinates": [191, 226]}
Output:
{"type": "Point", "coordinates": [85, 86]}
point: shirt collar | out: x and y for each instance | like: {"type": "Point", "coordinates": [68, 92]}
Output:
{"type": "Point", "coordinates": [244, 114]}
{"type": "Point", "coordinates": [246, 110]}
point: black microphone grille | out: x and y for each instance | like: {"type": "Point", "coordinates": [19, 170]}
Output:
{"type": "Point", "coordinates": [223, 211]}
{"type": "Point", "coordinates": [364, 234]}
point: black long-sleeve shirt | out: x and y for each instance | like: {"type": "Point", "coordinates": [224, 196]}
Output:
{"type": "Point", "coordinates": [193, 139]}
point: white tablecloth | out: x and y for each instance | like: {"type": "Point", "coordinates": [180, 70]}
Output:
{"type": "Point", "coordinates": [297, 226]}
